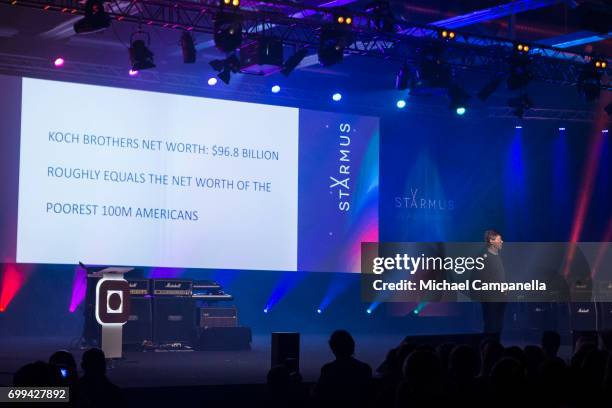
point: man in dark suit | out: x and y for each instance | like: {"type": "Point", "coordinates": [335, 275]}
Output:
{"type": "Point", "coordinates": [493, 302]}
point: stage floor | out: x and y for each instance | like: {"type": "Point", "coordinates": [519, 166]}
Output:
{"type": "Point", "coordinates": [150, 369]}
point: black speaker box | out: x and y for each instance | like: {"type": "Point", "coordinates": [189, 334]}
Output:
{"type": "Point", "coordinates": [605, 313]}
{"type": "Point", "coordinates": [286, 349]}
{"type": "Point", "coordinates": [224, 338]}
{"type": "Point", "coordinates": [583, 316]}
{"type": "Point", "coordinates": [139, 327]}
{"type": "Point", "coordinates": [173, 320]}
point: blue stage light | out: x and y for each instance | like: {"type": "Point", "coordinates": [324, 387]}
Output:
{"type": "Point", "coordinates": [401, 104]}
{"type": "Point", "coordinates": [460, 111]}
{"type": "Point", "coordinates": [369, 311]}
{"type": "Point", "coordinates": [276, 89]}
{"type": "Point", "coordinates": [337, 97]}
{"type": "Point", "coordinates": [212, 81]}
{"type": "Point", "coordinates": [319, 311]}
{"type": "Point", "coordinates": [266, 310]}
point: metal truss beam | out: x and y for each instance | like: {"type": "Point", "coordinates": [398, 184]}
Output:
{"type": "Point", "coordinates": [154, 80]}
{"type": "Point", "coordinates": [492, 13]}
{"type": "Point", "coordinates": [279, 19]}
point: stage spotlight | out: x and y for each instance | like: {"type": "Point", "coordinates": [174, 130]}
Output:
{"type": "Point", "coordinates": [520, 104]}
{"type": "Point", "coordinates": [59, 62]}
{"type": "Point", "coordinates": [276, 89]}
{"type": "Point", "coordinates": [140, 55]}
{"type": "Point", "coordinates": [589, 80]}
{"type": "Point", "coordinates": [432, 73]}
{"type": "Point", "coordinates": [447, 35]}
{"type": "Point", "coordinates": [188, 48]}
{"type": "Point", "coordinates": [521, 48]}
{"type": "Point", "coordinates": [382, 15]}
{"type": "Point", "coordinates": [226, 67]}
{"type": "Point", "coordinates": [600, 64]}
{"type": "Point", "coordinates": [489, 88]}
{"type": "Point", "coordinates": [217, 65]}
{"type": "Point", "coordinates": [458, 99]}
{"type": "Point", "coordinates": [331, 46]}
{"type": "Point", "coordinates": [212, 81]}
{"type": "Point", "coordinates": [402, 79]}
{"type": "Point", "coordinates": [225, 76]}
{"type": "Point", "coordinates": [608, 109]}
{"type": "Point", "coordinates": [132, 72]}
{"type": "Point", "coordinates": [337, 97]}
{"type": "Point", "coordinates": [319, 311]}
{"type": "Point", "coordinates": [227, 31]}
{"type": "Point", "coordinates": [343, 18]}
{"type": "Point", "coordinates": [293, 61]}
{"type": "Point", "coordinates": [401, 104]}
{"type": "Point", "coordinates": [415, 311]}
{"type": "Point", "coordinates": [95, 18]}
{"type": "Point", "coordinates": [520, 74]}
{"type": "Point", "coordinates": [369, 311]}
{"type": "Point", "coordinates": [266, 310]}
{"type": "Point", "coordinates": [233, 3]}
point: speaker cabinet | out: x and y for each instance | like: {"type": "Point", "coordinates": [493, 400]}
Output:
{"type": "Point", "coordinates": [583, 316]}
{"type": "Point", "coordinates": [605, 312]}
{"type": "Point", "coordinates": [286, 350]}
{"type": "Point", "coordinates": [218, 317]}
{"type": "Point", "coordinates": [139, 327]}
{"type": "Point", "coordinates": [174, 320]}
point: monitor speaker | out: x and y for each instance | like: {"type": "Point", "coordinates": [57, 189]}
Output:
{"type": "Point", "coordinates": [286, 350]}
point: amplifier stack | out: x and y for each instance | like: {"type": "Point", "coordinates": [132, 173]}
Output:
{"type": "Point", "coordinates": [168, 311]}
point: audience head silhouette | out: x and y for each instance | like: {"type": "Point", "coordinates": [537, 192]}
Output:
{"type": "Point", "coordinates": [94, 362]}
{"type": "Point", "coordinates": [35, 374]}
{"type": "Point", "coordinates": [551, 341]}
{"type": "Point", "coordinates": [342, 344]}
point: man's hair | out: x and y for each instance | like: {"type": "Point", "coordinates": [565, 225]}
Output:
{"type": "Point", "coordinates": [342, 344]}
{"type": "Point", "coordinates": [490, 235]}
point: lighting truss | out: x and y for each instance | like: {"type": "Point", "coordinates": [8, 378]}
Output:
{"type": "Point", "coordinates": [300, 25]}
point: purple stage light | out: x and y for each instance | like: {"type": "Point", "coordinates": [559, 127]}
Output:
{"type": "Point", "coordinates": [59, 62]}
{"type": "Point", "coordinates": [79, 285]}
{"type": "Point", "coordinates": [133, 72]}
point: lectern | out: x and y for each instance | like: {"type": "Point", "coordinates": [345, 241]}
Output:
{"type": "Point", "coordinates": [112, 306]}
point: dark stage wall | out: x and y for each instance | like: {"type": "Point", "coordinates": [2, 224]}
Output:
{"type": "Point", "coordinates": [441, 178]}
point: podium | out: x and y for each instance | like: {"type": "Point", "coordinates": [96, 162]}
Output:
{"type": "Point", "coordinates": [112, 306]}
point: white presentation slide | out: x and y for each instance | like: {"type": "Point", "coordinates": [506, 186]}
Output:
{"type": "Point", "coordinates": [123, 177]}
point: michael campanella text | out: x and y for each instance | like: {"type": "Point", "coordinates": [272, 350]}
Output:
{"type": "Point", "coordinates": [444, 285]}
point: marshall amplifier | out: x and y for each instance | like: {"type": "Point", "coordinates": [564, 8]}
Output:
{"type": "Point", "coordinates": [139, 327]}
{"type": "Point", "coordinates": [583, 316]}
{"type": "Point", "coordinates": [218, 317]}
{"type": "Point", "coordinates": [604, 293]}
{"type": "Point", "coordinates": [605, 313]}
{"type": "Point", "coordinates": [172, 287]}
{"type": "Point", "coordinates": [139, 287]}
{"type": "Point", "coordinates": [173, 320]}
